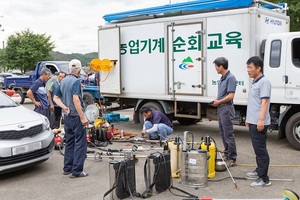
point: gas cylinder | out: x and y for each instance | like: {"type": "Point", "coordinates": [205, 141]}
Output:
{"type": "Point", "coordinates": [175, 152]}
{"type": "Point", "coordinates": [209, 145]}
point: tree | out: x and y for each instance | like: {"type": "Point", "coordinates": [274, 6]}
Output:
{"type": "Point", "coordinates": [24, 49]}
{"type": "Point", "coordinates": [293, 12]}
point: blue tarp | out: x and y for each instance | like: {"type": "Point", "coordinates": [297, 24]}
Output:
{"type": "Point", "coordinates": [196, 5]}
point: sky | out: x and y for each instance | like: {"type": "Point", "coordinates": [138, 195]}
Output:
{"type": "Point", "coordinates": [72, 24]}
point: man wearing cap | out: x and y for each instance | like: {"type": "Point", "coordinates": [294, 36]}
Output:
{"type": "Point", "coordinates": [38, 95]}
{"type": "Point", "coordinates": [69, 98]}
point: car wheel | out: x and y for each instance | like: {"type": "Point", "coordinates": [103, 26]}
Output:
{"type": "Point", "coordinates": [21, 97]}
{"type": "Point", "coordinates": [292, 131]}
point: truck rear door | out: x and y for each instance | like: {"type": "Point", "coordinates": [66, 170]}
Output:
{"type": "Point", "coordinates": [185, 60]}
{"type": "Point", "coordinates": [109, 48]}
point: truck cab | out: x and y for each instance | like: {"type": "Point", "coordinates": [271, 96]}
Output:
{"type": "Point", "coordinates": [282, 67]}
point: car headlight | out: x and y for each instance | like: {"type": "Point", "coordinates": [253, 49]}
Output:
{"type": "Point", "coordinates": [46, 123]}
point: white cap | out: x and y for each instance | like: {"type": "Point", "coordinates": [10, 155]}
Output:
{"type": "Point", "coordinates": [75, 64]}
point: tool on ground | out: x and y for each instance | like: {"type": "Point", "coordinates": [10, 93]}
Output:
{"type": "Point", "coordinates": [236, 187]}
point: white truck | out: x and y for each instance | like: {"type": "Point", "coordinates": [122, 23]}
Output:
{"type": "Point", "coordinates": [164, 59]}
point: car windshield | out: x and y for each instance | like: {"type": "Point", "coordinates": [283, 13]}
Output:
{"type": "Point", "coordinates": [6, 102]}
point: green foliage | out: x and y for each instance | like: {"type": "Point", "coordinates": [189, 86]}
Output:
{"type": "Point", "coordinates": [293, 12]}
{"type": "Point", "coordinates": [24, 49]}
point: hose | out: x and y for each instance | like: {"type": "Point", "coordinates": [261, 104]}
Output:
{"type": "Point", "coordinates": [277, 165]}
{"type": "Point", "coordinates": [246, 178]}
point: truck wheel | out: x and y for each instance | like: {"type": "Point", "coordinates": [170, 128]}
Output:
{"type": "Point", "coordinates": [21, 97]}
{"type": "Point", "coordinates": [88, 98]}
{"type": "Point", "coordinates": [187, 121]}
{"type": "Point", "coordinates": [292, 131]}
{"type": "Point", "coordinates": [154, 105]}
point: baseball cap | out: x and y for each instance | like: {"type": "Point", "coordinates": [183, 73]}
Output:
{"type": "Point", "coordinates": [75, 63]}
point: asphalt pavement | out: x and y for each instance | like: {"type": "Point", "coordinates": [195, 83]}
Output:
{"type": "Point", "coordinates": [46, 181]}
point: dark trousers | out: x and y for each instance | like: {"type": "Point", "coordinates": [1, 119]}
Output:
{"type": "Point", "coordinates": [76, 145]}
{"type": "Point", "coordinates": [259, 143]}
{"type": "Point", "coordinates": [56, 118]}
{"type": "Point", "coordinates": [226, 114]}
{"type": "Point", "coordinates": [41, 110]}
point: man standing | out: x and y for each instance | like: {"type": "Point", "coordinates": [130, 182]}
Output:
{"type": "Point", "coordinates": [53, 106]}
{"type": "Point", "coordinates": [258, 120]}
{"type": "Point", "coordinates": [226, 112]}
{"type": "Point", "coordinates": [69, 97]}
{"type": "Point", "coordinates": [38, 95]}
{"type": "Point", "coordinates": [156, 124]}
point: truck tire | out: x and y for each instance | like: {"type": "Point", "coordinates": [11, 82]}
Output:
{"type": "Point", "coordinates": [88, 98]}
{"type": "Point", "coordinates": [187, 121]}
{"type": "Point", "coordinates": [154, 105]}
{"type": "Point", "coordinates": [22, 96]}
{"type": "Point", "coordinates": [292, 131]}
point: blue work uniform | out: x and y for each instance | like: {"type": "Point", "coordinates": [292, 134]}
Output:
{"type": "Point", "coordinates": [75, 132]}
{"type": "Point", "coordinates": [38, 89]}
{"type": "Point", "coordinates": [226, 115]}
{"type": "Point", "coordinates": [164, 125]}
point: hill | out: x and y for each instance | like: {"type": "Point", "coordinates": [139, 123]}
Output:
{"type": "Point", "coordinates": [84, 58]}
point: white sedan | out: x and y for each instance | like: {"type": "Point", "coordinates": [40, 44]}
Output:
{"type": "Point", "coordinates": [25, 136]}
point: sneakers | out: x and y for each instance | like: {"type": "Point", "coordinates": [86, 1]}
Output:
{"type": "Point", "coordinates": [224, 157]}
{"type": "Point", "coordinates": [164, 141]}
{"type": "Point", "coordinates": [252, 174]}
{"type": "Point", "coordinates": [67, 173]}
{"type": "Point", "coordinates": [230, 163]}
{"type": "Point", "coordinates": [260, 183]}
{"type": "Point", "coordinates": [82, 174]}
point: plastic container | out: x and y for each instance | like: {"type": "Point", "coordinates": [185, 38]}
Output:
{"type": "Point", "coordinates": [111, 117]}
{"type": "Point", "coordinates": [211, 149]}
{"type": "Point", "coordinates": [175, 152]}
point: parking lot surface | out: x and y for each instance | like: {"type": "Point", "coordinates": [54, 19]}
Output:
{"type": "Point", "coordinates": [46, 181]}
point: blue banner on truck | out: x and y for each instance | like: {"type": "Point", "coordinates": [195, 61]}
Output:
{"type": "Point", "coordinates": [199, 5]}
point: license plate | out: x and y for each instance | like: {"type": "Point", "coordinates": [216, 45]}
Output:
{"type": "Point", "coordinates": [26, 148]}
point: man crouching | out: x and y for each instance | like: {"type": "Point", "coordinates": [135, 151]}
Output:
{"type": "Point", "coordinates": [156, 124]}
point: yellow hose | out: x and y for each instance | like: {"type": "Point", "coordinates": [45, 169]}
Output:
{"type": "Point", "coordinates": [254, 165]}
